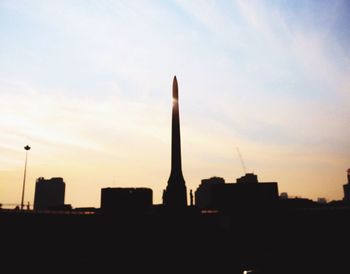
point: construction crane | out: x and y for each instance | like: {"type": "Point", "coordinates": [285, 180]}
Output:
{"type": "Point", "coordinates": [241, 159]}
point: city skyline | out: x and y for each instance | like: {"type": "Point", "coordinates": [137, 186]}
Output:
{"type": "Point", "coordinates": [86, 86]}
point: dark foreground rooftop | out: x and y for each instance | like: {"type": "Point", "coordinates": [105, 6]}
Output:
{"type": "Point", "coordinates": [159, 241]}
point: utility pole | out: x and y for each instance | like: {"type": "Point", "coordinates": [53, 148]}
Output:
{"type": "Point", "coordinates": [25, 173]}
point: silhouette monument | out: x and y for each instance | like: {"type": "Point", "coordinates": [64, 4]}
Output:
{"type": "Point", "coordinates": [175, 193]}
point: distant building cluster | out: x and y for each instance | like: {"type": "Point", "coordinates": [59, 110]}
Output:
{"type": "Point", "coordinates": [247, 192]}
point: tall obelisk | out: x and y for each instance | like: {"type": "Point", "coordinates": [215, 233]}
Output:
{"type": "Point", "coordinates": [175, 194]}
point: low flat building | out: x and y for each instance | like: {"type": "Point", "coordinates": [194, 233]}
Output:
{"type": "Point", "coordinates": [126, 199]}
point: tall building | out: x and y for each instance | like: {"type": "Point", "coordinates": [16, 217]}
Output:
{"type": "Point", "coordinates": [203, 193]}
{"type": "Point", "coordinates": [49, 193]}
{"type": "Point", "coordinates": [346, 188]}
{"type": "Point", "coordinates": [175, 196]}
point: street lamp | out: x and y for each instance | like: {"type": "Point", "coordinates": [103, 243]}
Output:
{"type": "Point", "coordinates": [25, 172]}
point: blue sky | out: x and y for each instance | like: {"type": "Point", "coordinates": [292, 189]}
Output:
{"type": "Point", "coordinates": [88, 85]}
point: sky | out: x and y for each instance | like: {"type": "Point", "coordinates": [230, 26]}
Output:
{"type": "Point", "coordinates": [87, 84]}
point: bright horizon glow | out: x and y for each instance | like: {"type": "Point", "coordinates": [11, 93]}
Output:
{"type": "Point", "coordinates": [88, 86]}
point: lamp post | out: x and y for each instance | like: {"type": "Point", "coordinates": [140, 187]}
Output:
{"type": "Point", "coordinates": [24, 177]}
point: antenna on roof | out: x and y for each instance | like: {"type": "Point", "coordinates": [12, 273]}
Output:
{"type": "Point", "coordinates": [241, 159]}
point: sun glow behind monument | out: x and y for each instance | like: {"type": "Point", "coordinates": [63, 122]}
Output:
{"type": "Point", "coordinates": [175, 195]}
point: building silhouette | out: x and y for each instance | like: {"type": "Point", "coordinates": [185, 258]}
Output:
{"type": "Point", "coordinates": [321, 200]}
{"type": "Point", "coordinates": [49, 193]}
{"type": "Point", "coordinates": [121, 200]}
{"type": "Point", "coordinates": [203, 193]}
{"type": "Point", "coordinates": [175, 194]}
{"type": "Point", "coordinates": [246, 193]}
{"type": "Point", "coordinates": [346, 188]}
{"type": "Point", "coordinates": [284, 195]}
